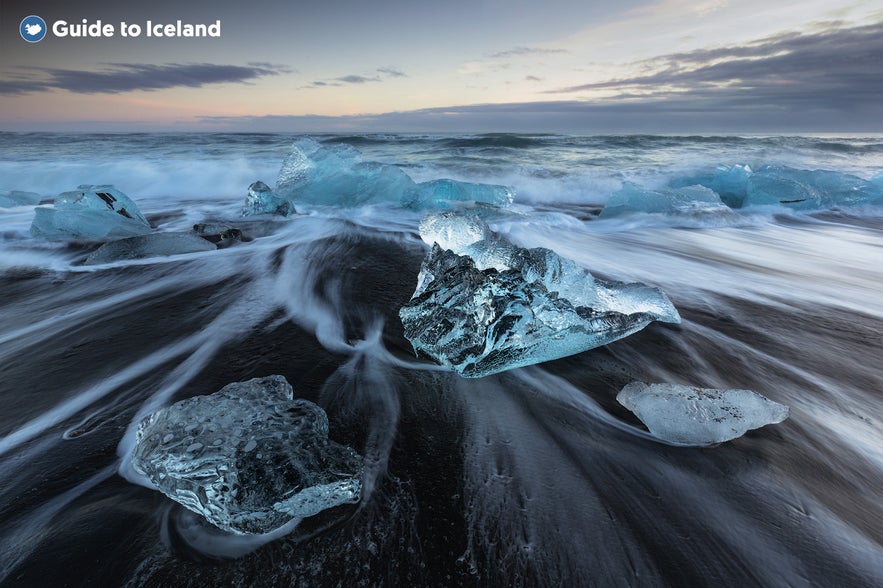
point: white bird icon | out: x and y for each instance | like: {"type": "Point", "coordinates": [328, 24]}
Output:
{"type": "Point", "coordinates": [33, 29]}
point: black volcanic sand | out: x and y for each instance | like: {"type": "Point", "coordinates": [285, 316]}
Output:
{"type": "Point", "coordinates": [514, 479]}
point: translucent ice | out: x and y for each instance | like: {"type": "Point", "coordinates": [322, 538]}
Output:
{"type": "Point", "coordinates": [688, 200]}
{"type": "Point", "coordinates": [18, 198]}
{"type": "Point", "coordinates": [262, 200]}
{"type": "Point", "coordinates": [740, 186]}
{"type": "Point", "coordinates": [452, 230]}
{"type": "Point", "coordinates": [248, 458]}
{"type": "Point", "coordinates": [336, 175]}
{"type": "Point", "coordinates": [441, 192]}
{"type": "Point", "coordinates": [90, 212]}
{"type": "Point", "coordinates": [699, 416]}
{"type": "Point", "coordinates": [489, 306]}
{"type": "Point", "coordinates": [153, 245]}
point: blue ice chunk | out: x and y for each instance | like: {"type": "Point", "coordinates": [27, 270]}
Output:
{"type": "Point", "coordinates": [249, 458]}
{"type": "Point", "coordinates": [729, 182]}
{"type": "Point", "coordinates": [262, 200]}
{"type": "Point", "coordinates": [488, 306]}
{"type": "Point", "coordinates": [153, 245]}
{"type": "Point", "coordinates": [809, 189]}
{"type": "Point", "coordinates": [687, 415]}
{"type": "Point", "coordinates": [689, 200]}
{"type": "Point", "coordinates": [90, 212]}
{"type": "Point", "coordinates": [18, 198]}
{"type": "Point", "coordinates": [439, 193]}
{"type": "Point", "coordinates": [337, 176]}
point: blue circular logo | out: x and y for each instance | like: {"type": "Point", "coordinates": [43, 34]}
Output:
{"type": "Point", "coordinates": [32, 29]}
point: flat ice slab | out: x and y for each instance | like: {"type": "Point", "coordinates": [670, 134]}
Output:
{"type": "Point", "coordinates": [688, 415]}
{"type": "Point", "coordinates": [249, 458]}
{"type": "Point", "coordinates": [90, 212]}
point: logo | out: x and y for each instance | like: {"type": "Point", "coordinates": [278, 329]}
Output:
{"type": "Point", "coordinates": [32, 29]}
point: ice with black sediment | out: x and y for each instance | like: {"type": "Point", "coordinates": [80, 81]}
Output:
{"type": "Point", "coordinates": [146, 246]}
{"type": "Point", "coordinates": [688, 415]}
{"type": "Point", "coordinates": [483, 305]}
{"type": "Point", "coordinates": [90, 212]}
{"type": "Point", "coordinates": [261, 199]}
{"type": "Point", "coordinates": [249, 458]}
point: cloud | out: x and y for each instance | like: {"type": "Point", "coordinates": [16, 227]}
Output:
{"type": "Point", "coordinates": [384, 73]}
{"type": "Point", "coordinates": [522, 51]}
{"type": "Point", "coordinates": [116, 78]}
{"type": "Point", "coordinates": [533, 79]}
{"type": "Point", "coordinates": [833, 69]}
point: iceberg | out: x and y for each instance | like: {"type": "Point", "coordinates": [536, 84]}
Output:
{"type": "Point", "coordinates": [90, 212]}
{"type": "Point", "coordinates": [18, 198]}
{"type": "Point", "coordinates": [249, 458]}
{"type": "Point", "coordinates": [153, 245]}
{"type": "Point", "coordinates": [221, 235]}
{"type": "Point", "coordinates": [694, 201]}
{"type": "Point", "coordinates": [336, 175]}
{"type": "Point", "coordinates": [688, 415]}
{"type": "Point", "coordinates": [440, 193]}
{"type": "Point", "coordinates": [262, 200]}
{"type": "Point", "coordinates": [489, 306]}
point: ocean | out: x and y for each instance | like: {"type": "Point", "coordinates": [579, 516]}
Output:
{"type": "Point", "coordinates": [531, 477]}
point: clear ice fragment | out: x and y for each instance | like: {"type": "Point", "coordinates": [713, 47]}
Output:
{"type": "Point", "coordinates": [153, 245]}
{"type": "Point", "coordinates": [440, 193]}
{"type": "Point", "coordinates": [489, 306]}
{"type": "Point", "coordinates": [687, 415]}
{"type": "Point", "coordinates": [694, 201]}
{"type": "Point", "coordinates": [274, 462]}
{"type": "Point", "coordinates": [262, 200]}
{"type": "Point", "coordinates": [90, 212]}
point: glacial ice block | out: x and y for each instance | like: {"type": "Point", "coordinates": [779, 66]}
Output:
{"type": "Point", "coordinates": [336, 175]}
{"type": "Point", "coordinates": [222, 235]}
{"type": "Point", "coordinates": [18, 198]}
{"type": "Point", "coordinates": [262, 200]}
{"type": "Point", "coordinates": [491, 306]}
{"type": "Point", "coordinates": [90, 212]}
{"type": "Point", "coordinates": [698, 202]}
{"type": "Point", "coordinates": [249, 458]}
{"type": "Point", "coordinates": [439, 193]}
{"type": "Point", "coordinates": [699, 416]}
{"type": "Point", "coordinates": [153, 245]}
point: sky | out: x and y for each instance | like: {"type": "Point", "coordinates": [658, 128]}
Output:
{"type": "Point", "coordinates": [564, 66]}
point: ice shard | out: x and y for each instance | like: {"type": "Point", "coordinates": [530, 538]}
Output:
{"type": "Point", "coordinates": [336, 175]}
{"type": "Point", "coordinates": [249, 458]}
{"type": "Point", "coordinates": [153, 245]}
{"type": "Point", "coordinates": [90, 212]}
{"type": "Point", "coordinates": [262, 200]}
{"type": "Point", "coordinates": [18, 198]}
{"type": "Point", "coordinates": [443, 192]}
{"type": "Point", "coordinates": [489, 306]}
{"type": "Point", "coordinates": [696, 202]}
{"type": "Point", "coordinates": [687, 415]}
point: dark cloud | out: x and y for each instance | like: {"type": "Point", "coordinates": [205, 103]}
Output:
{"type": "Point", "coordinates": [385, 72]}
{"type": "Point", "coordinates": [834, 69]}
{"type": "Point", "coordinates": [356, 79]}
{"type": "Point", "coordinates": [116, 78]}
{"type": "Point", "coordinates": [522, 51]}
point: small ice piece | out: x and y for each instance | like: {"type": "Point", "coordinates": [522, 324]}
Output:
{"type": "Point", "coordinates": [687, 415]}
{"type": "Point", "coordinates": [490, 306]}
{"type": "Point", "coordinates": [439, 193]}
{"type": "Point", "coordinates": [18, 198]}
{"type": "Point", "coordinates": [262, 200]}
{"type": "Point", "coordinates": [153, 245]}
{"type": "Point", "coordinates": [90, 212]}
{"type": "Point", "coordinates": [689, 200]}
{"type": "Point", "coordinates": [337, 176]}
{"type": "Point", "coordinates": [275, 462]}
{"type": "Point", "coordinates": [220, 234]}
{"type": "Point", "coordinates": [453, 230]}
